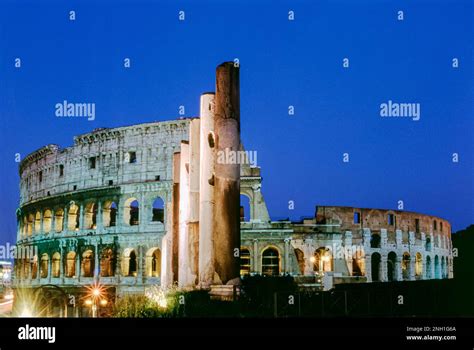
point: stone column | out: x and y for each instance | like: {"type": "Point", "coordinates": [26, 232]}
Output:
{"type": "Point", "coordinates": [412, 267]}
{"type": "Point", "coordinates": [184, 279]}
{"type": "Point", "coordinates": [226, 225]}
{"type": "Point", "coordinates": [81, 216]}
{"type": "Point", "coordinates": [175, 223]}
{"type": "Point", "coordinates": [53, 221]}
{"type": "Point", "coordinates": [398, 238]}
{"type": "Point", "coordinates": [368, 267]}
{"type": "Point", "coordinates": [349, 252]}
{"type": "Point", "coordinates": [206, 190]}
{"type": "Point", "coordinates": [78, 265]}
{"type": "Point", "coordinates": [66, 219]}
{"type": "Point", "coordinates": [383, 238]}
{"type": "Point", "coordinates": [383, 268]}
{"type": "Point", "coordinates": [255, 260]}
{"type": "Point", "coordinates": [98, 221]}
{"type": "Point", "coordinates": [96, 261]}
{"type": "Point", "coordinates": [308, 254]}
{"type": "Point", "coordinates": [287, 255]}
{"type": "Point", "coordinates": [398, 268]}
{"type": "Point", "coordinates": [61, 263]}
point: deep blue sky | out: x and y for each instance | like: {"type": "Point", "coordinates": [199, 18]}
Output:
{"type": "Point", "coordinates": [282, 63]}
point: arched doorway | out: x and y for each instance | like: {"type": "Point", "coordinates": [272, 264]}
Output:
{"type": "Point", "coordinates": [436, 267]}
{"type": "Point", "coordinates": [88, 263]}
{"type": "Point", "coordinates": [406, 266]}
{"type": "Point", "coordinates": [392, 266]}
{"type": "Point", "coordinates": [418, 266]}
{"type": "Point", "coordinates": [428, 268]}
{"type": "Point", "coordinates": [375, 267]}
{"type": "Point", "coordinates": [322, 260]}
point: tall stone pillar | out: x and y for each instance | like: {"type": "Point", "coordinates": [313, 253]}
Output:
{"type": "Point", "coordinates": [255, 260]}
{"type": "Point", "coordinates": [175, 223]}
{"type": "Point", "coordinates": [184, 280]}
{"type": "Point", "coordinates": [287, 255]}
{"type": "Point", "coordinates": [206, 191]}
{"type": "Point", "coordinates": [226, 225]}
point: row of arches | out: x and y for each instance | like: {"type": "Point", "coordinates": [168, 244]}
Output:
{"type": "Point", "coordinates": [423, 268]}
{"type": "Point", "coordinates": [375, 242]}
{"type": "Point", "coordinates": [84, 265]}
{"type": "Point", "coordinates": [70, 219]}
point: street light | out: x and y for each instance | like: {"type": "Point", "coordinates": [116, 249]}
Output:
{"type": "Point", "coordinates": [95, 295]}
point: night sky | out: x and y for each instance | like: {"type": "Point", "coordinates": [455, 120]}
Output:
{"type": "Point", "coordinates": [283, 63]}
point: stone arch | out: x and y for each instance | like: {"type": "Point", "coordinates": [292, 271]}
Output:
{"type": "Point", "coordinates": [376, 267]}
{"type": "Point", "coordinates": [30, 224]}
{"type": "Point", "coordinates": [271, 262]}
{"type": "Point", "coordinates": [56, 265]}
{"type": "Point", "coordinates": [428, 243]}
{"type": "Point", "coordinates": [358, 263]}
{"type": "Point", "coordinates": [130, 263]}
{"type": "Point", "coordinates": [73, 217]}
{"type": "Point", "coordinates": [59, 220]}
{"type": "Point", "coordinates": [109, 214]}
{"type": "Point", "coordinates": [47, 221]}
{"type": "Point", "coordinates": [392, 267]}
{"type": "Point", "coordinates": [158, 210]}
{"type": "Point", "coordinates": [245, 261]}
{"type": "Point", "coordinates": [44, 267]}
{"type": "Point", "coordinates": [153, 262]}
{"type": "Point", "coordinates": [71, 264]}
{"type": "Point", "coordinates": [436, 267]}
{"type": "Point", "coordinates": [428, 267]}
{"type": "Point", "coordinates": [90, 216]}
{"type": "Point", "coordinates": [375, 240]}
{"type": "Point", "coordinates": [443, 267]}
{"type": "Point", "coordinates": [245, 207]}
{"type": "Point", "coordinates": [87, 264]}
{"type": "Point", "coordinates": [300, 260]}
{"type": "Point", "coordinates": [323, 260]}
{"type": "Point", "coordinates": [107, 263]}
{"type": "Point", "coordinates": [38, 222]}
{"type": "Point", "coordinates": [34, 267]}
{"type": "Point", "coordinates": [418, 265]}
{"type": "Point", "coordinates": [406, 266]}
{"type": "Point", "coordinates": [131, 212]}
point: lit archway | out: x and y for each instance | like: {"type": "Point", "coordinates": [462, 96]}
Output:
{"type": "Point", "coordinates": [71, 264]}
{"type": "Point", "coordinates": [59, 220]}
{"type": "Point", "coordinates": [44, 265]}
{"type": "Point", "coordinates": [87, 264]}
{"type": "Point", "coordinates": [406, 266]}
{"type": "Point", "coordinates": [47, 221]}
{"type": "Point", "coordinates": [56, 265]}
{"type": "Point", "coordinates": [107, 263]}
{"type": "Point", "coordinates": [392, 266]}
{"type": "Point", "coordinates": [90, 219]}
{"type": "Point", "coordinates": [270, 262]}
{"type": "Point", "coordinates": [418, 265]}
{"type": "Point", "coordinates": [129, 263]}
{"type": "Point", "coordinates": [322, 260]}
{"type": "Point", "coordinates": [73, 218]}
{"type": "Point", "coordinates": [153, 262]}
{"type": "Point", "coordinates": [244, 262]}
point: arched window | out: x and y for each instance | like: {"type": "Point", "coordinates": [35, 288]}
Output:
{"type": "Point", "coordinates": [56, 265]}
{"type": "Point", "coordinates": [418, 266]}
{"type": "Point", "coordinates": [71, 264]}
{"type": "Point", "coordinates": [428, 267]}
{"type": "Point", "coordinates": [34, 268]}
{"type": "Point", "coordinates": [73, 218]}
{"type": "Point", "coordinates": [107, 263]}
{"type": "Point", "coordinates": [443, 264]}
{"type": "Point", "coordinates": [37, 222]}
{"type": "Point", "coordinates": [244, 208]}
{"type": "Point", "coordinates": [376, 267]}
{"type": "Point", "coordinates": [244, 262]}
{"type": "Point", "coordinates": [153, 262]}
{"type": "Point", "coordinates": [158, 210]}
{"type": "Point", "coordinates": [31, 220]}
{"type": "Point", "coordinates": [91, 216]}
{"type": "Point", "coordinates": [322, 260]}
{"type": "Point", "coordinates": [88, 263]}
{"type": "Point", "coordinates": [406, 266]}
{"type": "Point", "coordinates": [59, 220]}
{"type": "Point", "coordinates": [44, 266]}
{"type": "Point", "coordinates": [131, 213]}
{"type": "Point", "coordinates": [129, 267]}
{"type": "Point", "coordinates": [270, 262]}
{"type": "Point", "coordinates": [47, 221]}
{"type": "Point", "coordinates": [436, 267]}
{"type": "Point", "coordinates": [109, 214]}
{"type": "Point", "coordinates": [428, 244]}
{"type": "Point", "coordinates": [375, 240]}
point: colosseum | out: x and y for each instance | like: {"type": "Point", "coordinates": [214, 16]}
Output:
{"type": "Point", "coordinates": [145, 205]}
